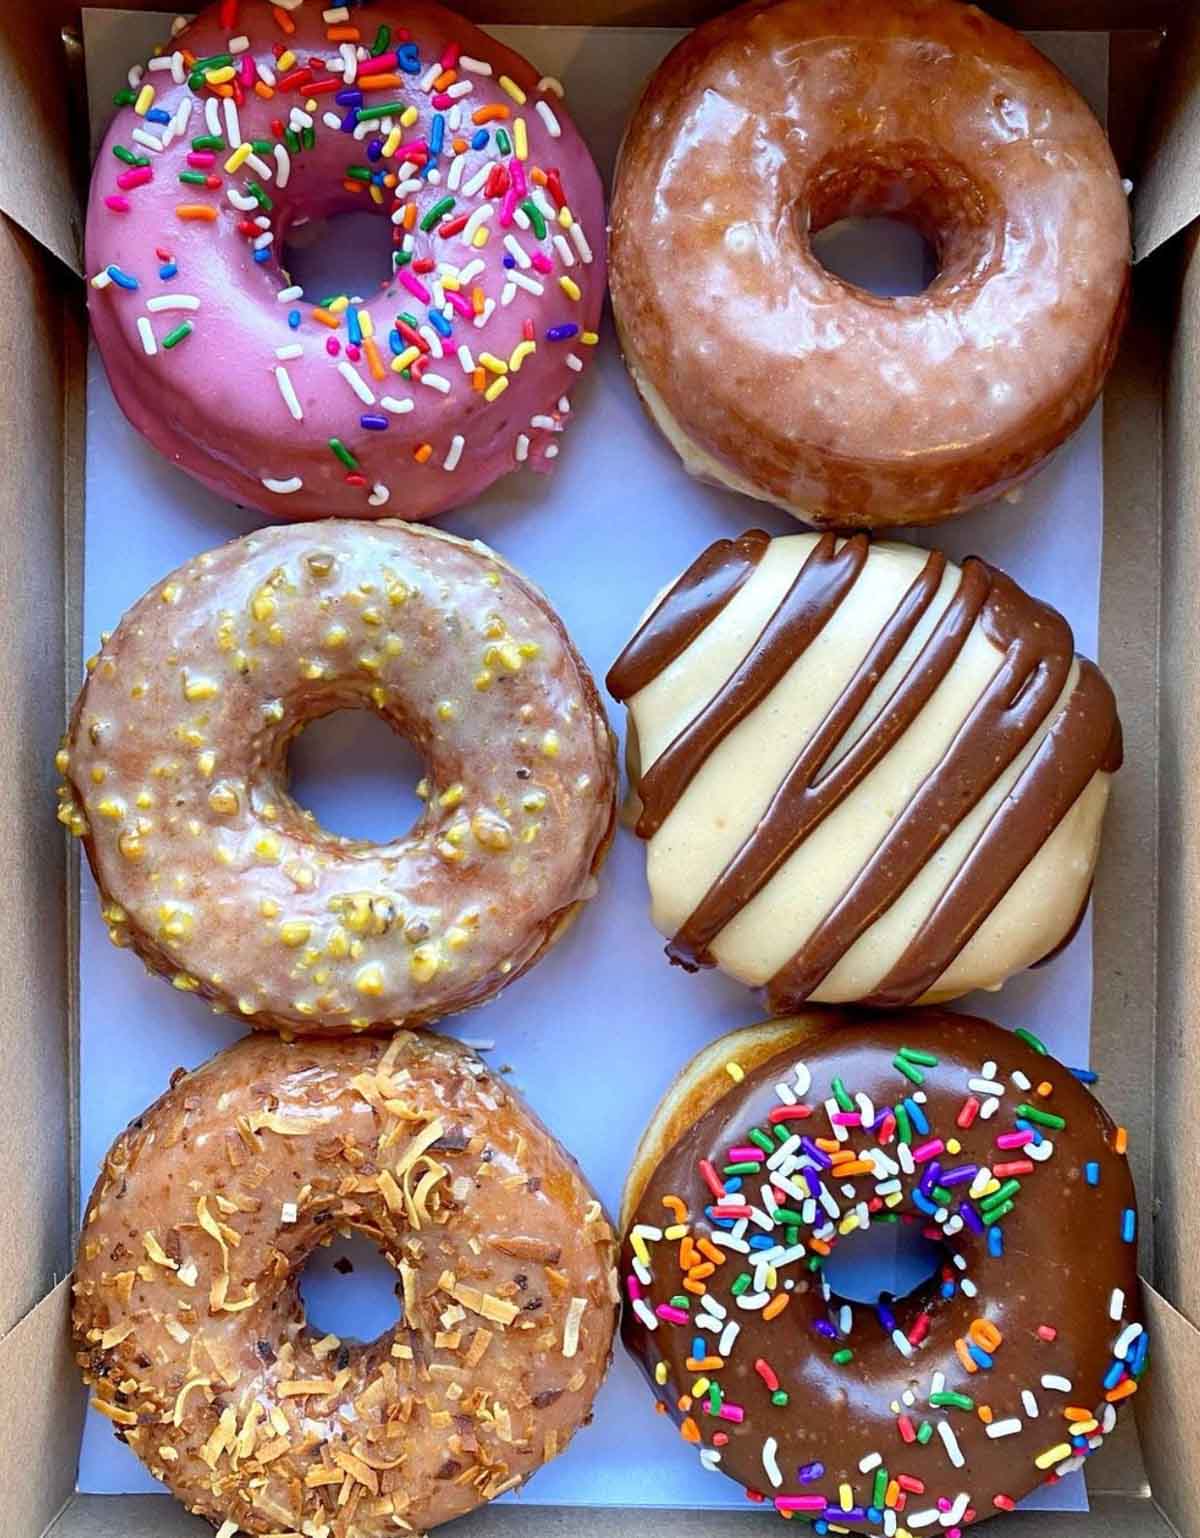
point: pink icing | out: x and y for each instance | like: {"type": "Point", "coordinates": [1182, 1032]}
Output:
{"type": "Point", "coordinates": [213, 403]}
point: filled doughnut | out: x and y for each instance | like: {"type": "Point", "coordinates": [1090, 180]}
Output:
{"type": "Point", "coordinates": [774, 121]}
{"type": "Point", "coordinates": [779, 1146]}
{"type": "Point", "coordinates": [190, 1328]}
{"type": "Point", "coordinates": [863, 773]}
{"type": "Point", "coordinates": [175, 769]}
{"type": "Point", "coordinates": [257, 118]}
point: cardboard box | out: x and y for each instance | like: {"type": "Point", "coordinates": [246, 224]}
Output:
{"type": "Point", "coordinates": [1147, 939]}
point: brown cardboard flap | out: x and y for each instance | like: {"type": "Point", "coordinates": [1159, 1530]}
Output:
{"type": "Point", "coordinates": [1166, 197]}
{"type": "Point", "coordinates": [1167, 1409]}
{"type": "Point", "coordinates": [41, 1410]}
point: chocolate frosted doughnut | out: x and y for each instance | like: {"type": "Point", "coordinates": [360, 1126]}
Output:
{"type": "Point", "coordinates": [770, 374]}
{"type": "Point", "coordinates": [864, 773]}
{"type": "Point", "coordinates": [176, 776]}
{"type": "Point", "coordinates": [779, 1144]}
{"type": "Point", "coordinates": [189, 1324]}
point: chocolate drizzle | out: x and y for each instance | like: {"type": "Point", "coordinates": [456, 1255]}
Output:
{"type": "Point", "coordinates": [1038, 652]}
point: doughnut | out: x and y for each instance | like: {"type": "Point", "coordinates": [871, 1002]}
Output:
{"type": "Point", "coordinates": [190, 1328]}
{"type": "Point", "coordinates": [864, 774]}
{"type": "Point", "coordinates": [257, 118]}
{"type": "Point", "coordinates": [774, 121]}
{"type": "Point", "coordinates": [911, 1414]}
{"type": "Point", "coordinates": [175, 769]}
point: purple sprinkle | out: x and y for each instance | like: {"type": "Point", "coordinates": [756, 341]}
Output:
{"type": "Point", "coordinates": [930, 1178]}
{"type": "Point", "coordinates": [510, 261]}
{"type": "Point", "coordinates": [960, 1174]}
{"type": "Point", "coordinates": [562, 333]}
{"type": "Point", "coordinates": [350, 97]}
{"type": "Point", "coordinates": [811, 1149]}
{"type": "Point", "coordinates": [823, 1327]}
{"type": "Point", "coordinates": [808, 1472]}
{"type": "Point", "coordinates": [350, 121]}
{"type": "Point", "coordinates": [886, 1318]}
{"type": "Point", "coordinates": [375, 423]}
{"type": "Point", "coordinates": [813, 1181]}
{"type": "Point", "coordinates": [374, 149]}
{"type": "Point", "coordinates": [970, 1217]}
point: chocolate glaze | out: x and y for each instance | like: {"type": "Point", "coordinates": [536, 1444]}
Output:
{"type": "Point", "coordinates": [1038, 650]}
{"type": "Point", "coordinates": [1063, 1257]}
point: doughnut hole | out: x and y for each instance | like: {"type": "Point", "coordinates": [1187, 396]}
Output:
{"type": "Point", "coordinates": [892, 1261]}
{"type": "Point", "coordinates": [357, 775]}
{"type": "Point", "coordinates": [896, 222]}
{"type": "Point", "coordinates": [348, 1289]}
{"type": "Point", "coordinates": [342, 250]}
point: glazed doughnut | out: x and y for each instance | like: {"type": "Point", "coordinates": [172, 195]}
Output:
{"type": "Point", "coordinates": [256, 118]}
{"type": "Point", "coordinates": [175, 765]}
{"type": "Point", "coordinates": [772, 122]}
{"type": "Point", "coordinates": [924, 1412]}
{"type": "Point", "coordinates": [189, 1324]}
{"type": "Point", "coordinates": [864, 774]}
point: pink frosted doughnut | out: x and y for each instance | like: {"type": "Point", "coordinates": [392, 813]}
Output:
{"type": "Point", "coordinates": [256, 117]}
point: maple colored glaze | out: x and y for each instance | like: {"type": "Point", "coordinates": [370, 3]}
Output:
{"type": "Point", "coordinates": [215, 404]}
{"type": "Point", "coordinates": [190, 1328]}
{"type": "Point", "coordinates": [175, 764]}
{"type": "Point", "coordinates": [783, 685]}
{"type": "Point", "coordinates": [774, 376]}
{"type": "Point", "coordinates": [1031, 1323]}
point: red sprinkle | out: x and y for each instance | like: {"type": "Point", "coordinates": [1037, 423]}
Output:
{"type": "Point", "coordinates": [452, 226]}
{"type": "Point", "coordinates": [1017, 1167]}
{"type": "Point", "coordinates": [779, 1113]}
{"type": "Point", "coordinates": [554, 187]}
{"type": "Point", "coordinates": [1003, 1502]}
{"type": "Point", "coordinates": [136, 176]}
{"type": "Point", "coordinates": [767, 1373]}
{"type": "Point", "coordinates": [527, 329]}
{"type": "Point", "coordinates": [354, 479]}
{"type": "Point", "coordinates": [887, 1130]}
{"type": "Point", "coordinates": [906, 1429]}
{"type": "Point", "coordinates": [1047, 1332]}
{"type": "Point", "coordinates": [323, 87]}
{"type": "Point", "coordinates": [709, 1175]}
{"type": "Point", "coordinates": [968, 1113]}
{"type": "Point", "coordinates": [162, 253]}
{"type": "Point", "coordinates": [294, 79]}
{"type": "Point", "coordinates": [919, 1330]}
{"type": "Point", "coordinates": [450, 57]}
{"type": "Point", "coordinates": [227, 15]}
{"type": "Point", "coordinates": [910, 1483]}
{"type": "Point", "coordinates": [423, 264]}
{"type": "Point", "coordinates": [496, 183]}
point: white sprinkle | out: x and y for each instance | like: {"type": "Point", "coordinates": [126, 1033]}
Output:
{"type": "Point", "coordinates": [1039, 1152]}
{"type": "Point", "coordinates": [985, 1086]}
{"type": "Point", "coordinates": [395, 405]}
{"type": "Point", "coordinates": [989, 1108]}
{"type": "Point", "coordinates": [147, 140]}
{"type": "Point", "coordinates": [552, 84]}
{"type": "Point", "coordinates": [800, 1072]}
{"type": "Point", "coordinates": [350, 67]}
{"type": "Point", "coordinates": [517, 251]}
{"type": "Point", "coordinates": [454, 453]}
{"type": "Point", "coordinates": [551, 451]}
{"type": "Point", "coordinates": [709, 1459]}
{"type": "Point", "coordinates": [476, 182]}
{"type": "Point", "coordinates": [956, 1513]}
{"type": "Point", "coordinates": [1057, 1382]}
{"type": "Point", "coordinates": [283, 488]}
{"type": "Point", "coordinates": [379, 495]}
{"type": "Point", "coordinates": [134, 77]}
{"type": "Point", "coordinates": [521, 219]}
{"type": "Point", "coordinates": [437, 382]}
{"type": "Point", "coordinates": [871, 1461]}
{"type": "Point", "coordinates": [455, 174]}
{"type": "Point", "coordinates": [288, 1213]}
{"type": "Point", "coordinates": [1109, 1419]}
{"type": "Point", "coordinates": [950, 1442]}
{"type": "Point", "coordinates": [1020, 1079]}
{"type": "Point", "coordinates": [162, 62]}
{"type": "Point", "coordinates": [728, 1335]}
{"type": "Point", "coordinates": [585, 251]}
{"type": "Point", "coordinates": [466, 361]}
{"type": "Point", "coordinates": [212, 115]}
{"type": "Point", "coordinates": [288, 391]}
{"type": "Point", "coordinates": [508, 293]}
{"type": "Point", "coordinates": [331, 120]}
{"type": "Point", "coordinates": [456, 92]}
{"type": "Point", "coordinates": [146, 332]}
{"type": "Point", "coordinates": [1005, 1428]}
{"type": "Point", "coordinates": [902, 1343]}
{"type": "Point", "coordinates": [904, 1155]}
{"type": "Point", "coordinates": [283, 165]}
{"type": "Point", "coordinates": [266, 74]}
{"type": "Point", "coordinates": [770, 1462]}
{"type": "Point", "coordinates": [937, 1383]}
{"type": "Point", "coordinates": [172, 302]}
{"type": "Point", "coordinates": [240, 201]}
{"type": "Point", "coordinates": [238, 44]}
{"type": "Point", "coordinates": [356, 382]}
{"type": "Point", "coordinates": [489, 306]}
{"type": "Point", "coordinates": [426, 81]}
{"type": "Point", "coordinates": [575, 363]}
{"type": "Point", "coordinates": [983, 1179]}
{"type": "Point", "coordinates": [474, 66]}
{"type": "Point", "coordinates": [645, 1313]}
{"type": "Point", "coordinates": [546, 113]}
{"type": "Point", "coordinates": [481, 216]}
{"type": "Point", "coordinates": [521, 454]}
{"type": "Point", "coordinates": [182, 116]}
{"type": "Point", "coordinates": [845, 1319]}
{"type": "Point", "coordinates": [642, 1272]}
{"type": "Point", "coordinates": [1126, 186]}
{"type": "Point", "coordinates": [433, 340]}
{"type": "Point", "coordinates": [968, 1286]}
{"type": "Point", "coordinates": [102, 279]}
{"type": "Point", "coordinates": [1032, 1408]}
{"type": "Point", "coordinates": [233, 127]}
{"type": "Point", "coordinates": [261, 242]}
{"type": "Point", "coordinates": [889, 1523]}
{"type": "Point", "coordinates": [301, 119]}
{"type": "Point", "coordinates": [1116, 1303]}
{"type": "Point", "coordinates": [713, 1307]}
{"type": "Point", "coordinates": [335, 14]}
{"type": "Point", "coordinates": [1126, 1339]}
{"type": "Point", "coordinates": [286, 295]}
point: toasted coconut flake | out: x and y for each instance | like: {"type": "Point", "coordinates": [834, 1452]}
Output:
{"type": "Point", "coordinates": [522, 1247]}
{"type": "Point", "coordinates": [575, 1311]}
{"type": "Point", "coordinates": [326, 1346]}
{"type": "Point", "coordinates": [269, 1451]}
{"type": "Point", "coordinates": [316, 1477]}
{"type": "Point", "coordinates": [115, 1413]}
{"type": "Point", "coordinates": [270, 1121]}
{"type": "Point", "coordinates": [115, 1335]}
{"type": "Point", "coordinates": [176, 1331]}
{"type": "Point", "coordinates": [356, 1468]}
{"type": "Point", "coordinates": [223, 1434]}
{"type": "Point", "coordinates": [227, 1529]}
{"type": "Point", "coordinates": [498, 1310]}
{"type": "Point", "coordinates": [390, 1191]}
{"type": "Point", "coordinates": [427, 1135]}
{"type": "Point", "coordinates": [211, 1227]}
{"type": "Point", "coordinates": [181, 1397]}
{"type": "Point", "coordinates": [476, 1351]}
{"type": "Point", "coordinates": [248, 1434]}
{"type": "Point", "coordinates": [295, 1388]}
{"type": "Point", "coordinates": [156, 1252]}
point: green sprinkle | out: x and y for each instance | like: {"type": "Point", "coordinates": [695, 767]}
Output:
{"type": "Point", "coordinates": [760, 1140]}
{"type": "Point", "coordinates": [744, 1167]}
{"type": "Point", "coordinates": [343, 453]}
{"type": "Point", "coordinates": [263, 146]}
{"type": "Point", "coordinates": [213, 61]}
{"type": "Point", "coordinates": [535, 217]}
{"type": "Point", "coordinates": [503, 142]}
{"type": "Point", "coordinates": [382, 38]}
{"type": "Point", "coordinates": [127, 156]}
{"type": "Point", "coordinates": [208, 142]}
{"type": "Point", "coordinates": [997, 1214]}
{"type": "Point", "coordinates": [681, 1300]}
{"type": "Point", "coordinates": [408, 318]}
{"type": "Point", "coordinates": [401, 259]}
{"type": "Point", "coordinates": [740, 1283]}
{"type": "Point", "coordinates": [308, 137]}
{"type": "Point", "coordinates": [909, 1070]}
{"type": "Point", "coordinates": [881, 1484]}
{"type": "Point", "coordinates": [843, 1356]}
{"type": "Point", "coordinates": [839, 1094]}
{"type": "Point", "coordinates": [780, 1397]}
{"type": "Point", "coordinates": [951, 1400]}
{"type": "Point", "coordinates": [373, 114]}
{"type": "Point", "coordinates": [358, 173]}
{"type": "Point", "coordinates": [943, 1195]}
{"type": "Point", "coordinates": [259, 194]}
{"type": "Point", "coordinates": [193, 178]}
{"type": "Point", "coordinates": [782, 1215]}
{"type": "Point", "coordinates": [903, 1125]}
{"type": "Point", "coordinates": [124, 98]}
{"type": "Point", "coordinates": [925, 1059]}
{"type": "Point", "coordinates": [792, 1234]}
{"type": "Point", "coordinates": [181, 332]}
{"type": "Point", "coordinates": [292, 139]}
{"type": "Point", "coordinates": [714, 1397]}
{"type": "Point", "coordinates": [1031, 1040]}
{"type": "Point", "coordinates": [781, 1132]}
{"type": "Point", "coordinates": [1009, 1188]}
{"type": "Point", "coordinates": [435, 211]}
{"type": "Point", "coordinates": [1043, 1118]}
{"type": "Point", "coordinates": [924, 1433]}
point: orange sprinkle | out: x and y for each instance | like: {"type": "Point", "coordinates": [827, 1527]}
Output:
{"type": "Point", "coordinates": [282, 20]}
{"type": "Point", "coordinates": [343, 34]}
{"type": "Point", "coordinates": [828, 1144]}
{"type": "Point", "coordinates": [701, 1271]}
{"type": "Point", "coordinates": [189, 58]}
{"type": "Point", "coordinates": [689, 1430]}
{"type": "Point", "coordinates": [1045, 1089]}
{"type": "Point", "coordinates": [477, 300]}
{"type": "Point", "coordinates": [1121, 1140]}
{"type": "Point", "coordinates": [776, 1306]}
{"type": "Point", "coordinates": [659, 1407]}
{"type": "Point", "coordinates": [479, 379]}
{"type": "Point", "coordinates": [687, 1253]}
{"type": "Point", "coordinates": [985, 1335]}
{"type": "Point", "coordinates": [710, 1252]}
{"type": "Point", "coordinates": [855, 1167]}
{"type": "Point", "coordinates": [326, 317]}
{"type": "Point", "coordinates": [820, 1247]}
{"type": "Point", "coordinates": [964, 1356]}
{"type": "Point", "coordinates": [262, 89]}
{"type": "Point", "coordinates": [220, 90]}
{"type": "Point", "coordinates": [490, 114]}
{"type": "Point", "coordinates": [380, 82]}
{"type": "Point", "coordinates": [374, 361]}
{"type": "Point", "coordinates": [698, 1288]}
{"type": "Point", "coordinates": [984, 1412]}
{"type": "Point", "coordinates": [410, 215]}
{"type": "Point", "coordinates": [459, 146]}
{"type": "Point", "coordinates": [684, 1403]}
{"type": "Point", "coordinates": [349, 186]}
{"type": "Point", "coordinates": [195, 211]}
{"type": "Point", "coordinates": [1075, 1412]}
{"type": "Point", "coordinates": [447, 77]}
{"type": "Point", "coordinates": [705, 1363]}
{"type": "Point", "coordinates": [421, 453]}
{"type": "Point", "coordinates": [538, 175]}
{"type": "Point", "coordinates": [1122, 1391]}
{"type": "Point", "coordinates": [677, 1207]}
{"type": "Point", "coordinates": [893, 1494]}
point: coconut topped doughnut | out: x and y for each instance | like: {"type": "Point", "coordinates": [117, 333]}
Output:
{"type": "Point", "coordinates": [176, 776]}
{"type": "Point", "coordinates": [774, 1153]}
{"type": "Point", "coordinates": [257, 118]}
